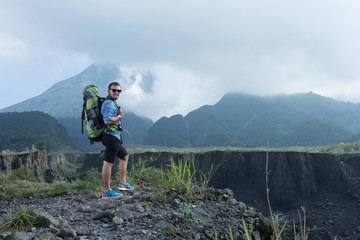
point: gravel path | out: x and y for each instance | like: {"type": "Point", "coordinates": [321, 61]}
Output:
{"type": "Point", "coordinates": [83, 215]}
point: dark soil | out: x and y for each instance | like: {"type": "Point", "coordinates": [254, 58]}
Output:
{"type": "Point", "coordinates": [329, 213]}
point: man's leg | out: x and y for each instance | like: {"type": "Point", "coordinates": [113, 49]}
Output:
{"type": "Point", "coordinates": [106, 175]}
{"type": "Point", "coordinates": [122, 168]}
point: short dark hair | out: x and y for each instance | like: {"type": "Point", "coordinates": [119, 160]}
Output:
{"type": "Point", "coordinates": [113, 83]}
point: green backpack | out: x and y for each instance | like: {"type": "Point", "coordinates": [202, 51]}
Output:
{"type": "Point", "coordinates": [91, 114]}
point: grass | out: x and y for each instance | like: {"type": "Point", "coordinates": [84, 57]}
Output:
{"type": "Point", "coordinates": [22, 221]}
{"type": "Point", "coordinates": [334, 149]}
{"type": "Point", "coordinates": [141, 175]}
{"type": "Point", "coordinates": [15, 185]}
{"type": "Point", "coordinates": [188, 214]}
{"type": "Point", "coordinates": [179, 177]}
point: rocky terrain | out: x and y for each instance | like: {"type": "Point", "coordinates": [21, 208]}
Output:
{"type": "Point", "coordinates": [327, 185]}
{"type": "Point", "coordinates": [133, 216]}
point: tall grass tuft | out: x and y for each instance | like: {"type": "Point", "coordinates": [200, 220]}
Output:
{"type": "Point", "coordinates": [21, 222]}
{"type": "Point", "coordinates": [302, 235]}
{"type": "Point", "coordinates": [178, 177]}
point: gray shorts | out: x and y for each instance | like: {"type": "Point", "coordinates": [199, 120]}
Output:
{"type": "Point", "coordinates": [113, 149]}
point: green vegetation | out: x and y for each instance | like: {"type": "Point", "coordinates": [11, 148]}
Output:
{"type": "Point", "coordinates": [188, 214]}
{"type": "Point", "coordinates": [142, 175]}
{"type": "Point", "coordinates": [179, 176]}
{"type": "Point", "coordinates": [42, 145]}
{"type": "Point", "coordinates": [35, 129]}
{"type": "Point", "coordinates": [22, 221]}
{"type": "Point", "coordinates": [342, 148]}
{"type": "Point", "coordinates": [20, 183]}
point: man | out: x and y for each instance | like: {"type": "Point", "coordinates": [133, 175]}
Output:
{"type": "Point", "coordinates": [112, 140]}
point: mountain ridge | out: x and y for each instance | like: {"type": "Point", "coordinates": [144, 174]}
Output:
{"type": "Point", "coordinates": [24, 130]}
{"type": "Point", "coordinates": [241, 120]}
{"type": "Point", "coordinates": [237, 119]}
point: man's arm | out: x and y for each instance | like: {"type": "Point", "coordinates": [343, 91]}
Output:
{"type": "Point", "coordinates": [111, 120]}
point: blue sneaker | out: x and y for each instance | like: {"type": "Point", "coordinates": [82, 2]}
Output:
{"type": "Point", "coordinates": [125, 186]}
{"type": "Point", "coordinates": [110, 194]}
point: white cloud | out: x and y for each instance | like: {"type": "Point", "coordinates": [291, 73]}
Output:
{"type": "Point", "coordinates": [197, 50]}
{"type": "Point", "coordinates": [174, 91]}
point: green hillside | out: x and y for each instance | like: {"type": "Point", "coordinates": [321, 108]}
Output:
{"type": "Point", "coordinates": [242, 120]}
{"type": "Point", "coordinates": [20, 131]}
{"type": "Point", "coordinates": [64, 102]}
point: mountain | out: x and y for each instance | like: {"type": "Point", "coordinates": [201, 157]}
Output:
{"type": "Point", "coordinates": [19, 131]}
{"type": "Point", "coordinates": [64, 102]}
{"type": "Point", "coordinates": [64, 99]}
{"type": "Point", "coordinates": [244, 120]}
{"type": "Point", "coordinates": [239, 120]}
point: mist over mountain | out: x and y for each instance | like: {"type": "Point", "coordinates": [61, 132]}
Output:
{"type": "Point", "coordinates": [239, 120]}
{"type": "Point", "coordinates": [244, 120]}
{"type": "Point", "coordinates": [64, 99]}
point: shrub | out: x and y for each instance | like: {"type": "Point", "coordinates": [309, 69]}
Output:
{"type": "Point", "coordinates": [23, 173]}
{"type": "Point", "coordinates": [21, 222]}
{"type": "Point", "coordinates": [179, 177]}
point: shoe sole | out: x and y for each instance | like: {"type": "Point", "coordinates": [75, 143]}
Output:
{"type": "Point", "coordinates": [111, 196]}
{"type": "Point", "coordinates": [125, 189]}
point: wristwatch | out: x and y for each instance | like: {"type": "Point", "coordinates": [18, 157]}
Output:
{"type": "Point", "coordinates": [119, 116]}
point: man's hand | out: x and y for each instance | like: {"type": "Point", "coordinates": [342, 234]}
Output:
{"type": "Point", "coordinates": [120, 112]}
{"type": "Point", "coordinates": [115, 118]}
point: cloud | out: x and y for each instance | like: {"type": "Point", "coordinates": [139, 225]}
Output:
{"type": "Point", "coordinates": [194, 51]}
{"type": "Point", "coordinates": [173, 90]}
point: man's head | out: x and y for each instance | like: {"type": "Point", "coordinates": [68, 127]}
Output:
{"type": "Point", "coordinates": [114, 90]}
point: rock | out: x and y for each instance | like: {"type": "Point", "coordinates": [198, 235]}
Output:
{"type": "Point", "coordinates": [163, 225]}
{"type": "Point", "coordinates": [256, 235]}
{"type": "Point", "coordinates": [121, 219]}
{"type": "Point", "coordinates": [118, 220]}
{"type": "Point", "coordinates": [175, 202]}
{"type": "Point", "coordinates": [232, 201]}
{"type": "Point", "coordinates": [18, 236]}
{"type": "Point", "coordinates": [107, 214]}
{"type": "Point", "coordinates": [201, 214]}
{"type": "Point", "coordinates": [43, 219]}
{"type": "Point", "coordinates": [66, 212]}
{"type": "Point", "coordinates": [45, 236]}
{"type": "Point", "coordinates": [182, 198]}
{"type": "Point", "coordinates": [123, 213]}
{"type": "Point", "coordinates": [67, 233]}
{"type": "Point", "coordinates": [139, 208]}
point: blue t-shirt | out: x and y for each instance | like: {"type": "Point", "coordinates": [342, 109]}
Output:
{"type": "Point", "coordinates": [108, 110]}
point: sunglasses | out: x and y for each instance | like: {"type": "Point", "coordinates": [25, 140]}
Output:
{"type": "Point", "coordinates": [115, 90]}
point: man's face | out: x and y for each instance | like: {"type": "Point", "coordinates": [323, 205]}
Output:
{"type": "Point", "coordinates": [114, 91]}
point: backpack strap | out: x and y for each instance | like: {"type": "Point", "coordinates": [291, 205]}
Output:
{"type": "Point", "coordinates": [83, 118]}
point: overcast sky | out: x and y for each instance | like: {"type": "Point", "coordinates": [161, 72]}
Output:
{"type": "Point", "coordinates": [198, 50]}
